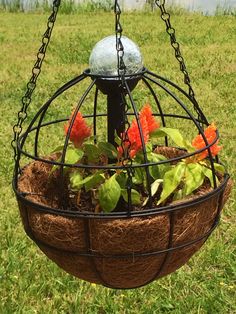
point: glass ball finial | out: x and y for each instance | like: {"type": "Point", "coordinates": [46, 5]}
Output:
{"type": "Point", "coordinates": [103, 58]}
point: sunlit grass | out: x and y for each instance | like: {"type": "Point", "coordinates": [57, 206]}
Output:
{"type": "Point", "coordinates": [29, 282]}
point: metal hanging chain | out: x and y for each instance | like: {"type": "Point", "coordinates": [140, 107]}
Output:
{"type": "Point", "coordinates": [125, 141]}
{"type": "Point", "coordinates": [165, 16]}
{"type": "Point", "coordinates": [121, 68]}
{"type": "Point", "coordinates": [26, 99]}
{"type": "Point", "coordinates": [119, 46]}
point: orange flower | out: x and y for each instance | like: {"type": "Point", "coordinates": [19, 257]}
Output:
{"type": "Point", "coordinates": [199, 142]}
{"type": "Point", "coordinates": [134, 141]}
{"type": "Point", "coordinates": [151, 121]}
{"type": "Point", "coordinates": [80, 130]}
{"type": "Point", "coordinates": [148, 125]}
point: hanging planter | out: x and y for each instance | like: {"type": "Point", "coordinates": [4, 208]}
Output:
{"type": "Point", "coordinates": [125, 198]}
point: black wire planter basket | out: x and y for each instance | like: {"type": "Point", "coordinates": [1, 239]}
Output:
{"type": "Point", "coordinates": [135, 242]}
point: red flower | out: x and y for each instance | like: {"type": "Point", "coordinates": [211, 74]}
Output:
{"type": "Point", "coordinates": [199, 142]}
{"type": "Point", "coordinates": [80, 130]}
{"type": "Point", "coordinates": [134, 142]}
{"type": "Point", "coordinates": [151, 121]}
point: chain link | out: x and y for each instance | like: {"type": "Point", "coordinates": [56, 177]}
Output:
{"type": "Point", "coordinates": [119, 45]}
{"type": "Point", "coordinates": [26, 99]}
{"type": "Point", "coordinates": [165, 16]}
{"type": "Point", "coordinates": [125, 141]}
{"type": "Point", "coordinates": [121, 73]}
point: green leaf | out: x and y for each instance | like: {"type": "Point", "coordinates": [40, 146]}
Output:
{"type": "Point", "coordinates": [171, 181]}
{"type": "Point", "coordinates": [158, 171]}
{"type": "Point", "coordinates": [194, 178]}
{"type": "Point", "coordinates": [92, 138]}
{"type": "Point", "coordinates": [154, 172]}
{"type": "Point", "coordinates": [54, 167]}
{"type": "Point", "coordinates": [92, 152]}
{"type": "Point", "coordinates": [155, 185]}
{"type": "Point", "coordinates": [76, 180]}
{"type": "Point", "coordinates": [117, 139]}
{"type": "Point", "coordinates": [93, 181]}
{"type": "Point", "coordinates": [108, 149]}
{"type": "Point", "coordinates": [90, 182]}
{"type": "Point", "coordinates": [149, 147]}
{"type": "Point", "coordinates": [122, 179]}
{"type": "Point", "coordinates": [138, 176]}
{"type": "Point", "coordinates": [109, 194]}
{"type": "Point", "coordinates": [145, 202]}
{"type": "Point", "coordinates": [175, 135]}
{"type": "Point", "coordinates": [73, 155]}
{"type": "Point", "coordinates": [58, 149]}
{"type": "Point", "coordinates": [157, 156]}
{"type": "Point", "coordinates": [179, 195]}
{"type": "Point", "coordinates": [218, 167]}
{"type": "Point", "coordinates": [208, 173]}
{"type": "Point", "coordinates": [135, 196]}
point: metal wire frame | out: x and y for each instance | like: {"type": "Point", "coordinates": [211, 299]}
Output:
{"type": "Point", "coordinates": [147, 77]}
{"type": "Point", "coordinates": [170, 210]}
{"type": "Point", "coordinates": [91, 254]}
{"type": "Point", "coordinates": [66, 86]}
{"type": "Point", "coordinates": [111, 166]}
{"type": "Point", "coordinates": [145, 254]}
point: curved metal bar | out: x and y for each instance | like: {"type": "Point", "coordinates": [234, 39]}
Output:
{"type": "Point", "coordinates": [131, 255]}
{"type": "Point", "coordinates": [68, 85]}
{"type": "Point", "coordinates": [21, 140]}
{"type": "Point", "coordinates": [90, 250]}
{"type": "Point", "coordinates": [158, 106]}
{"type": "Point", "coordinates": [111, 167]}
{"type": "Point", "coordinates": [45, 106]}
{"type": "Point", "coordinates": [195, 122]}
{"type": "Point", "coordinates": [204, 237]}
{"type": "Point", "coordinates": [95, 116]}
{"type": "Point", "coordinates": [169, 115]}
{"type": "Point", "coordinates": [180, 90]}
{"type": "Point", "coordinates": [144, 213]}
{"type": "Point", "coordinates": [148, 176]}
{"type": "Point", "coordinates": [146, 71]}
{"type": "Point", "coordinates": [63, 155]}
{"type": "Point", "coordinates": [166, 115]}
{"type": "Point", "coordinates": [114, 167]}
{"type": "Point", "coordinates": [170, 243]}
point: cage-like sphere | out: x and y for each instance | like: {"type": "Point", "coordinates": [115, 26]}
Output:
{"type": "Point", "coordinates": [132, 245]}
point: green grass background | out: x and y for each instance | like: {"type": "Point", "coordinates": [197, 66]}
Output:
{"type": "Point", "coordinates": [29, 282]}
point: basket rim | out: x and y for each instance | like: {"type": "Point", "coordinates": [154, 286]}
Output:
{"type": "Point", "coordinates": [175, 206]}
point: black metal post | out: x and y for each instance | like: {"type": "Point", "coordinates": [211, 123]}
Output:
{"type": "Point", "coordinates": [115, 116]}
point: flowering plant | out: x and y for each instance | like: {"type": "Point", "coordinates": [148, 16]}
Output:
{"type": "Point", "coordinates": [169, 181]}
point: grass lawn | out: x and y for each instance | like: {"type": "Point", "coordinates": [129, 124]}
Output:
{"type": "Point", "coordinates": [29, 282]}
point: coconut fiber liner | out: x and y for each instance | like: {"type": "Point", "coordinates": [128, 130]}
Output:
{"type": "Point", "coordinates": [116, 252]}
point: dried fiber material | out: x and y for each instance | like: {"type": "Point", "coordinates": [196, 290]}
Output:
{"type": "Point", "coordinates": [121, 253]}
